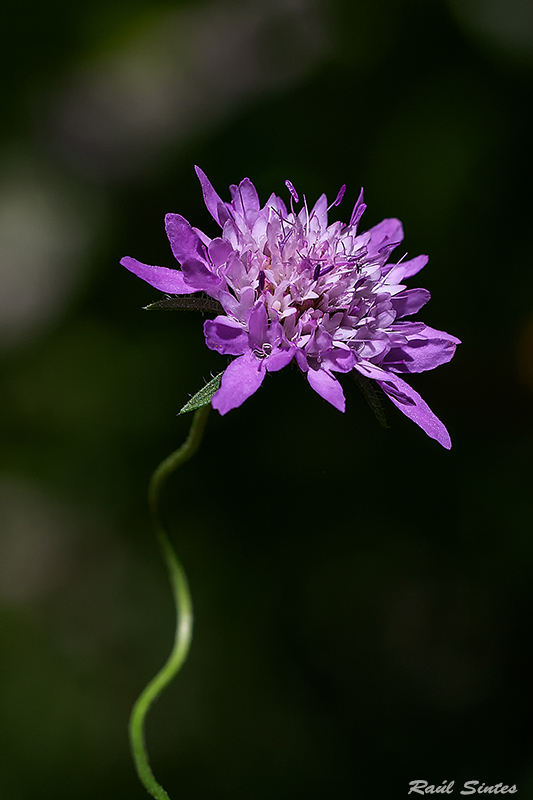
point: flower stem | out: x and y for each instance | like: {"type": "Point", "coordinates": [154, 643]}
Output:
{"type": "Point", "coordinates": [182, 600]}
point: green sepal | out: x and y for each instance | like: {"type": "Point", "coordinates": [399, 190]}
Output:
{"type": "Point", "coordinates": [203, 397]}
{"type": "Point", "coordinates": [372, 397]}
{"type": "Point", "coordinates": [187, 303]}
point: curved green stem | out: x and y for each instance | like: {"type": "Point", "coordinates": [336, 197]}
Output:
{"type": "Point", "coordinates": [182, 600]}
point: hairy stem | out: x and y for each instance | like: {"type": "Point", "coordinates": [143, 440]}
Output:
{"type": "Point", "coordinates": [182, 600]}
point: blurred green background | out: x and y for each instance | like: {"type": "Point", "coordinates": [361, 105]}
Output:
{"type": "Point", "coordinates": [364, 599]}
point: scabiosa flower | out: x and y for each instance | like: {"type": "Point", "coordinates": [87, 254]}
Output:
{"type": "Point", "coordinates": [291, 287]}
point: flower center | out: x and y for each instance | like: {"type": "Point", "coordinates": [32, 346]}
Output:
{"type": "Point", "coordinates": [264, 351]}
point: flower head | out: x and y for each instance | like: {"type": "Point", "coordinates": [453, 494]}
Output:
{"type": "Point", "coordinates": [290, 286]}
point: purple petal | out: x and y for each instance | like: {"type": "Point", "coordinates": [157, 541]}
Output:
{"type": "Point", "coordinates": [198, 275]}
{"type": "Point", "coordinates": [275, 334]}
{"type": "Point", "coordinates": [340, 195]}
{"type": "Point", "coordinates": [219, 251]}
{"type": "Point", "coordinates": [183, 239]}
{"type": "Point", "coordinates": [245, 198]}
{"type": "Point", "coordinates": [282, 208]}
{"type": "Point", "coordinates": [405, 327]}
{"type": "Point", "coordinates": [340, 359]}
{"type": "Point", "coordinates": [301, 359]}
{"type": "Point", "coordinates": [406, 269]}
{"type": "Point", "coordinates": [223, 213]}
{"type": "Point", "coordinates": [279, 359]}
{"type": "Point", "coordinates": [211, 198]}
{"type": "Point", "coordinates": [250, 198]}
{"type": "Point", "coordinates": [327, 387]}
{"type": "Point", "coordinates": [277, 204]}
{"type": "Point", "coordinates": [202, 236]}
{"type": "Point", "coordinates": [241, 379]}
{"type": "Point", "coordinates": [410, 301]}
{"type": "Point", "coordinates": [426, 350]}
{"type": "Point", "coordinates": [383, 235]}
{"type": "Point", "coordinates": [432, 333]}
{"type": "Point", "coordinates": [408, 401]}
{"type": "Point", "coordinates": [320, 342]}
{"type": "Point", "coordinates": [225, 336]}
{"type": "Point", "coordinates": [320, 211]}
{"type": "Point", "coordinates": [358, 209]}
{"type": "Point", "coordinates": [171, 281]}
{"type": "Point", "coordinates": [414, 265]}
{"type": "Point", "coordinates": [258, 325]}
{"type": "Point", "coordinates": [237, 308]}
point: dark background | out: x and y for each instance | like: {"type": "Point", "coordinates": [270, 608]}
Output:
{"type": "Point", "coordinates": [364, 600]}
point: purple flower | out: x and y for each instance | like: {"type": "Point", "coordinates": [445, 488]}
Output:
{"type": "Point", "coordinates": [293, 287]}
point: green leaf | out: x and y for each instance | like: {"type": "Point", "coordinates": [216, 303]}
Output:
{"type": "Point", "coordinates": [203, 397]}
{"type": "Point", "coordinates": [188, 303]}
{"type": "Point", "coordinates": [372, 397]}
